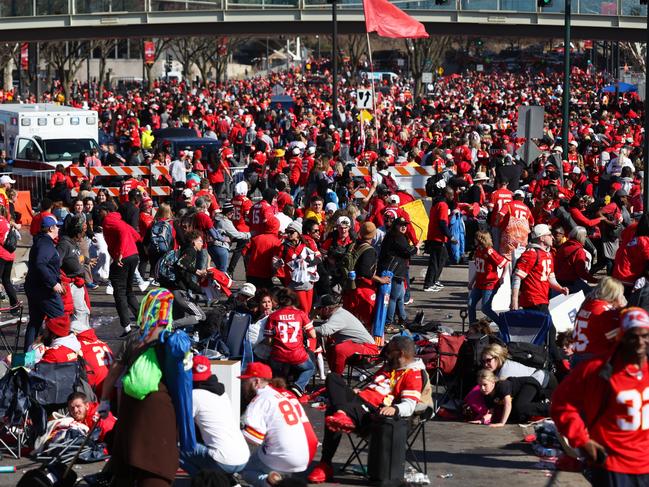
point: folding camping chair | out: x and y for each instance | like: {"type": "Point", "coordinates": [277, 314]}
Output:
{"type": "Point", "coordinates": [236, 341]}
{"type": "Point", "coordinates": [13, 321]}
{"type": "Point", "coordinates": [417, 429]}
{"type": "Point", "coordinates": [441, 360]}
{"type": "Point", "coordinates": [360, 365]}
{"type": "Point", "coordinates": [525, 326]}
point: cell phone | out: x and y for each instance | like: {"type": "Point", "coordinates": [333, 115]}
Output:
{"type": "Point", "coordinates": [601, 457]}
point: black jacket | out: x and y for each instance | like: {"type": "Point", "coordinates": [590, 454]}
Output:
{"type": "Point", "coordinates": [70, 257]}
{"type": "Point", "coordinates": [395, 254]}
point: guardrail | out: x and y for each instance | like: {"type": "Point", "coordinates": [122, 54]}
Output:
{"type": "Point", "coordinates": [52, 8]}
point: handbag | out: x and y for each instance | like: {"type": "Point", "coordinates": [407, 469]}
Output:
{"type": "Point", "coordinates": [143, 377]}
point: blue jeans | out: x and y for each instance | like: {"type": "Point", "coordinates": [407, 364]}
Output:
{"type": "Point", "coordinates": [220, 256]}
{"type": "Point", "coordinates": [486, 295]}
{"type": "Point", "coordinates": [200, 459]}
{"type": "Point", "coordinates": [397, 293]}
{"type": "Point", "coordinates": [304, 371]}
{"type": "Point", "coordinates": [255, 472]}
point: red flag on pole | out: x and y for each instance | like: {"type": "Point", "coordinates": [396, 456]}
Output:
{"type": "Point", "coordinates": [388, 20]}
{"type": "Point", "coordinates": [24, 56]}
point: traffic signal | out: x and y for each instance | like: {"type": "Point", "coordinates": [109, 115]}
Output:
{"type": "Point", "coordinates": [545, 3]}
{"type": "Point", "coordinates": [169, 64]}
{"type": "Point", "coordinates": [478, 42]}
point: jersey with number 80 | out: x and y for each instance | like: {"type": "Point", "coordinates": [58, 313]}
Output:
{"type": "Point", "coordinates": [286, 327]}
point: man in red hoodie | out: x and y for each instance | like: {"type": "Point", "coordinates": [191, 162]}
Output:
{"type": "Point", "coordinates": [121, 239]}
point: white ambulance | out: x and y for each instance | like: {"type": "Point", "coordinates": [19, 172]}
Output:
{"type": "Point", "coordinates": [41, 136]}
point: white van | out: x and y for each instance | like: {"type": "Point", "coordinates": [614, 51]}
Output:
{"type": "Point", "coordinates": [41, 136]}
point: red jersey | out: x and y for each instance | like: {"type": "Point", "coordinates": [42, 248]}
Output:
{"type": "Point", "coordinates": [515, 211]}
{"type": "Point", "coordinates": [631, 260]}
{"type": "Point", "coordinates": [98, 357]}
{"type": "Point", "coordinates": [401, 384]}
{"type": "Point", "coordinates": [497, 200]}
{"type": "Point", "coordinates": [286, 327]}
{"type": "Point", "coordinates": [534, 268]}
{"type": "Point", "coordinates": [439, 212]}
{"type": "Point", "coordinates": [611, 411]}
{"type": "Point", "coordinates": [59, 354]}
{"type": "Point", "coordinates": [260, 253]}
{"type": "Point", "coordinates": [242, 205]}
{"type": "Point", "coordinates": [259, 213]}
{"type": "Point", "coordinates": [487, 263]}
{"type": "Point", "coordinates": [596, 327]}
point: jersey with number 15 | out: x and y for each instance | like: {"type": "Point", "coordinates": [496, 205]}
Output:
{"type": "Point", "coordinates": [286, 327]}
{"type": "Point", "coordinates": [534, 268]}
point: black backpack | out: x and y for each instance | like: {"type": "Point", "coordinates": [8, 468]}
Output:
{"type": "Point", "coordinates": [11, 241]}
{"type": "Point", "coordinates": [535, 356]}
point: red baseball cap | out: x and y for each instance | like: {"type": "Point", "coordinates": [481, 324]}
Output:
{"type": "Point", "coordinates": [201, 369]}
{"type": "Point", "coordinates": [257, 369]}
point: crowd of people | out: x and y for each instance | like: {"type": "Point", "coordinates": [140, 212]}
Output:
{"type": "Point", "coordinates": [278, 202]}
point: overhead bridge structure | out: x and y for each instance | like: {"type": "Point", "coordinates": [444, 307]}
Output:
{"type": "Point", "coordinates": [43, 20]}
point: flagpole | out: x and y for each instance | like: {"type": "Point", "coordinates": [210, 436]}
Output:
{"type": "Point", "coordinates": [376, 113]}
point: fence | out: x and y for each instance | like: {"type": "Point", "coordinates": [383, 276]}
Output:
{"type": "Point", "coordinates": [37, 183]}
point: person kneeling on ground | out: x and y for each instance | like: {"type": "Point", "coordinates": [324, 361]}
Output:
{"type": "Point", "coordinates": [224, 447]}
{"type": "Point", "coordinates": [395, 390]}
{"type": "Point", "coordinates": [348, 334]}
{"type": "Point", "coordinates": [519, 397]}
{"type": "Point", "coordinates": [274, 420]}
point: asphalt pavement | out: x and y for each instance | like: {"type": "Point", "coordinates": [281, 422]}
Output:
{"type": "Point", "coordinates": [458, 453]}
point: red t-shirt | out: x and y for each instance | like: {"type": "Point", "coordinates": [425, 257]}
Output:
{"type": "Point", "coordinates": [286, 327]}
{"type": "Point", "coordinates": [439, 212]}
{"type": "Point", "coordinates": [242, 205]}
{"type": "Point", "coordinates": [595, 327]}
{"type": "Point", "coordinates": [534, 268]}
{"type": "Point", "coordinates": [631, 260]}
{"type": "Point", "coordinates": [487, 262]}
{"type": "Point", "coordinates": [59, 354]}
{"type": "Point", "coordinates": [260, 255]}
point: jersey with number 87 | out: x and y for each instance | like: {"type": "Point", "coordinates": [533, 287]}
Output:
{"type": "Point", "coordinates": [286, 328]}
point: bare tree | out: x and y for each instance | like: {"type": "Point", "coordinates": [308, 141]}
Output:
{"type": "Point", "coordinates": [103, 48]}
{"type": "Point", "coordinates": [355, 46]}
{"type": "Point", "coordinates": [635, 52]}
{"type": "Point", "coordinates": [159, 46]}
{"type": "Point", "coordinates": [9, 53]}
{"type": "Point", "coordinates": [186, 51]}
{"type": "Point", "coordinates": [425, 54]}
{"type": "Point", "coordinates": [65, 57]}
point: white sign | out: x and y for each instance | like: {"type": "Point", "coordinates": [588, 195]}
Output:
{"type": "Point", "coordinates": [563, 310]}
{"type": "Point", "coordinates": [427, 77]}
{"type": "Point", "coordinates": [364, 99]}
{"type": "Point", "coordinates": [479, 68]}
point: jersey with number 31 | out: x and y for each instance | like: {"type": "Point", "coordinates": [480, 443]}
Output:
{"type": "Point", "coordinates": [286, 327]}
{"type": "Point", "coordinates": [534, 268]}
{"type": "Point", "coordinates": [275, 420]}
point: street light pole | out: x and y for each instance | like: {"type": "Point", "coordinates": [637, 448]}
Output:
{"type": "Point", "coordinates": [566, 80]}
{"type": "Point", "coordinates": [334, 62]}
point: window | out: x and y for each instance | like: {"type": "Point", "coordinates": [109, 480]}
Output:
{"type": "Point", "coordinates": [28, 150]}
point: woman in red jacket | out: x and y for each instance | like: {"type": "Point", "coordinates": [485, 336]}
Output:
{"type": "Point", "coordinates": [572, 264]}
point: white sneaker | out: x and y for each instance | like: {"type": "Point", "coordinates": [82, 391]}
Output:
{"type": "Point", "coordinates": [143, 285]}
{"type": "Point", "coordinates": [439, 285]}
{"type": "Point", "coordinates": [109, 289]}
{"type": "Point", "coordinates": [432, 289]}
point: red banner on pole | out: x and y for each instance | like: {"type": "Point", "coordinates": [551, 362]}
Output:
{"type": "Point", "coordinates": [149, 52]}
{"type": "Point", "coordinates": [24, 55]}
